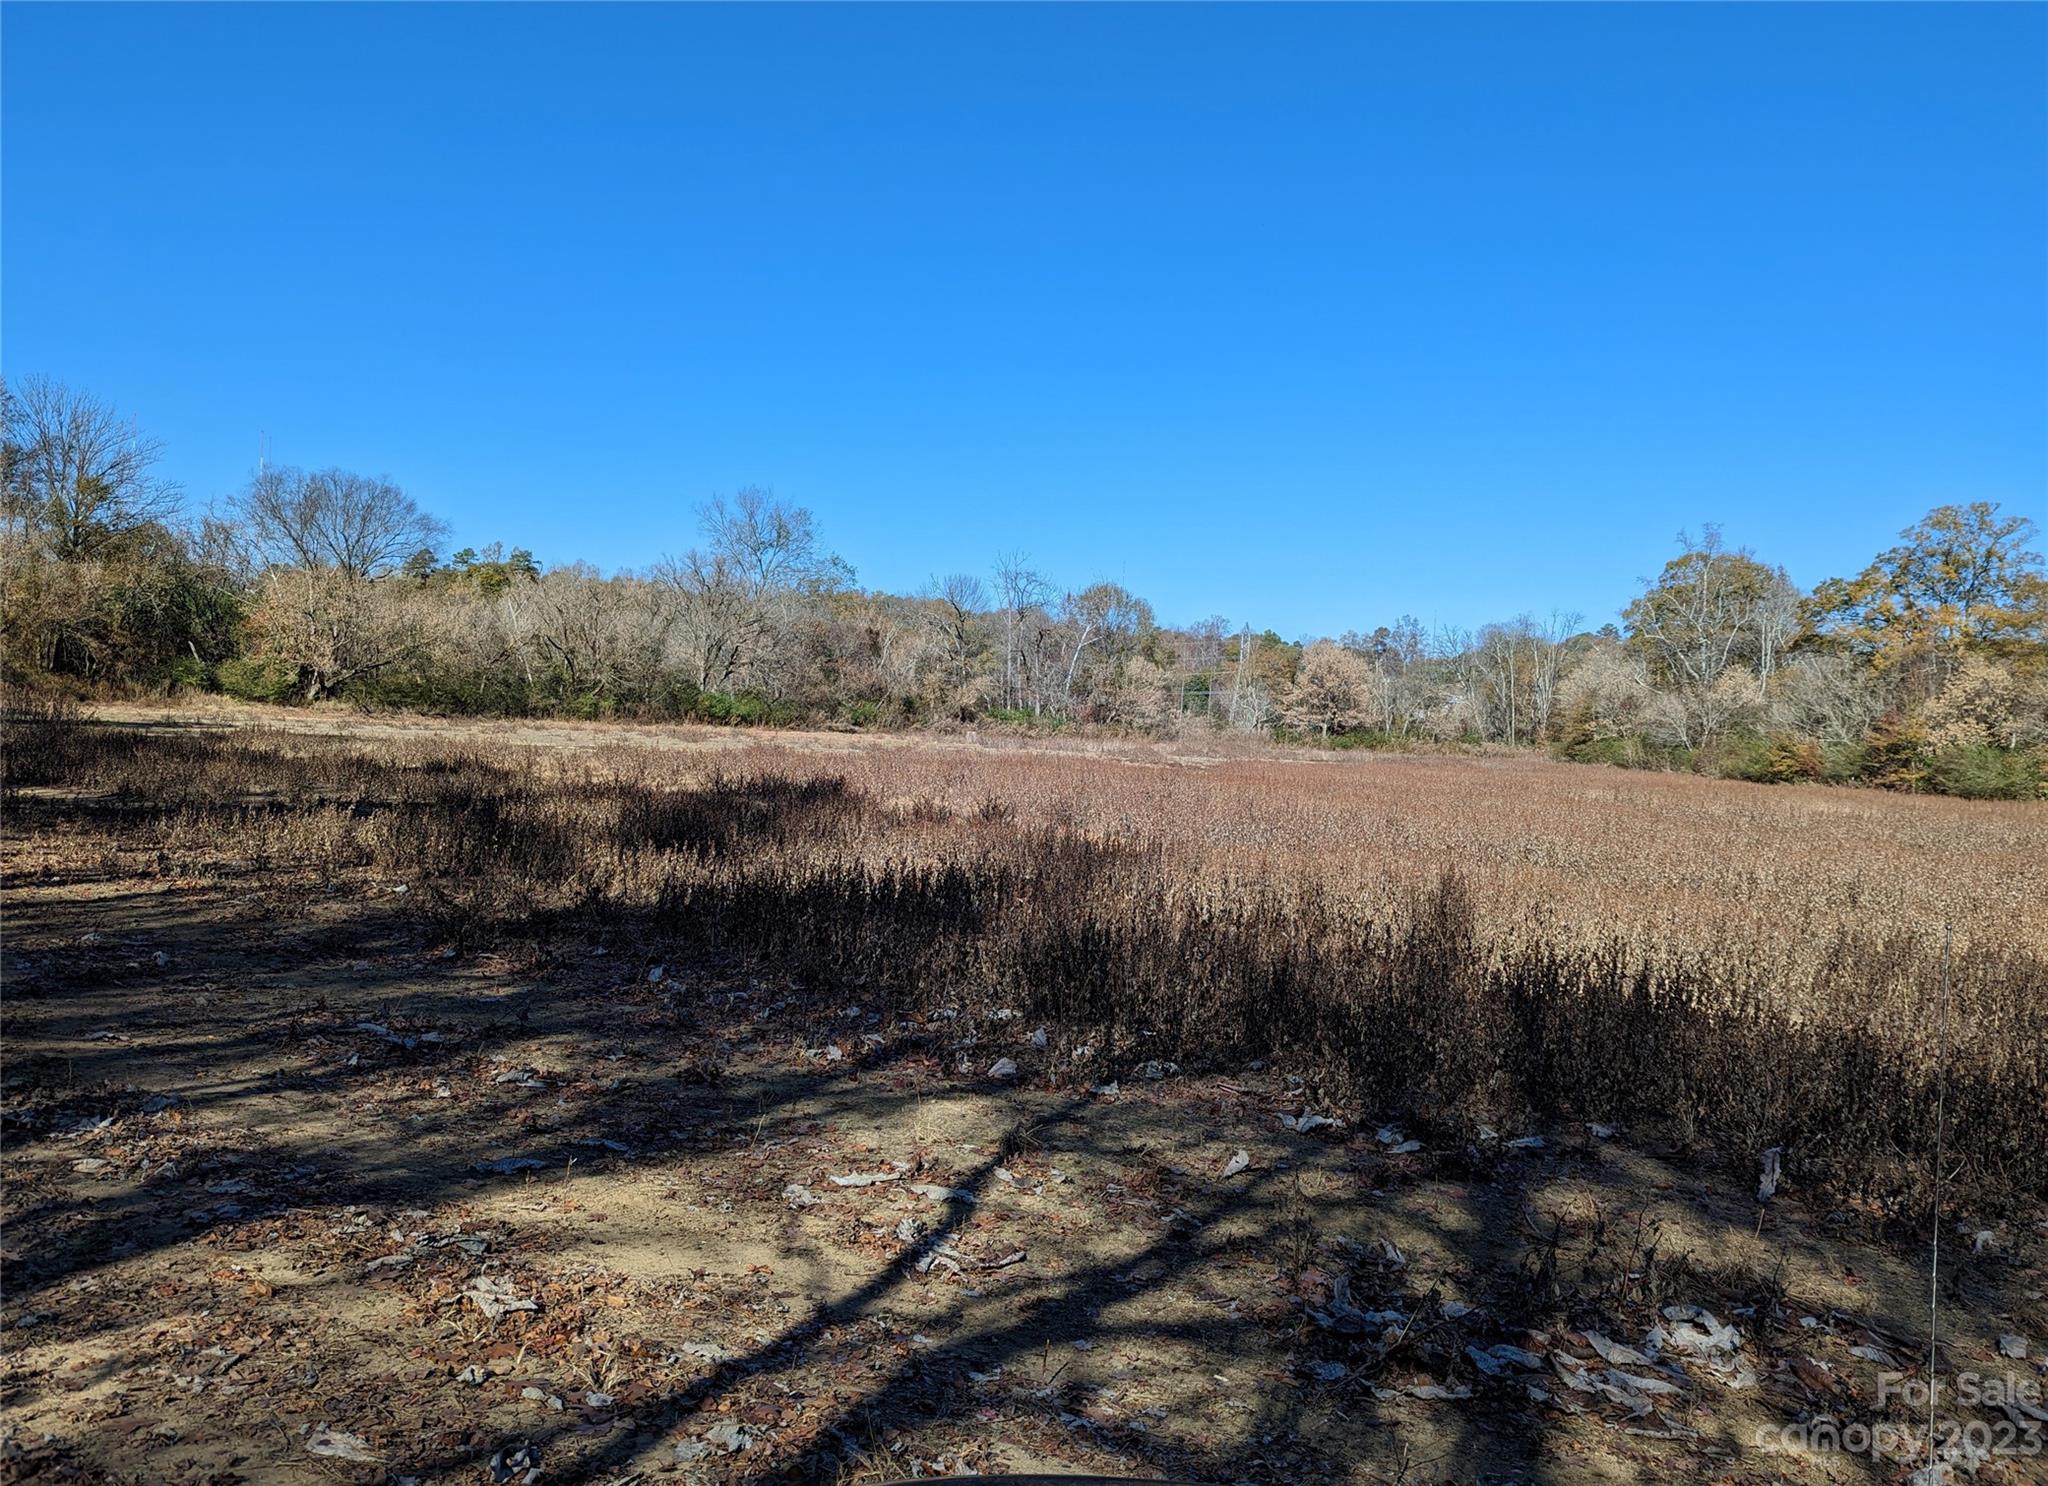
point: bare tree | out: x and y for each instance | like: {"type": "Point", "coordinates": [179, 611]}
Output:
{"type": "Point", "coordinates": [1253, 687]}
{"type": "Point", "coordinates": [1547, 651]}
{"type": "Point", "coordinates": [1023, 594]}
{"type": "Point", "coordinates": [1710, 613]}
{"type": "Point", "coordinates": [956, 604]}
{"type": "Point", "coordinates": [328, 537]}
{"type": "Point", "coordinates": [1826, 695]}
{"type": "Point", "coordinates": [76, 477]}
{"type": "Point", "coordinates": [1607, 695]}
{"type": "Point", "coordinates": [333, 631]}
{"type": "Point", "coordinates": [1518, 665]}
{"type": "Point", "coordinates": [736, 595]}
{"type": "Point", "coordinates": [1398, 654]}
{"type": "Point", "coordinates": [1104, 619]}
{"type": "Point", "coordinates": [1501, 649]}
{"type": "Point", "coordinates": [588, 634]}
{"type": "Point", "coordinates": [334, 520]}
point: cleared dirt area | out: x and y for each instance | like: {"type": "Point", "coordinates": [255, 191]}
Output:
{"type": "Point", "coordinates": [300, 1187]}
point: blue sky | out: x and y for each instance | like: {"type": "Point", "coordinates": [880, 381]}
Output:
{"type": "Point", "coordinates": [1308, 315]}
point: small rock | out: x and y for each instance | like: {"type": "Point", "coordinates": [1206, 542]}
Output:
{"type": "Point", "coordinates": [520, 1464]}
{"type": "Point", "coordinates": [729, 1437]}
{"type": "Point", "coordinates": [866, 1178]}
{"type": "Point", "coordinates": [335, 1443]}
{"type": "Point", "coordinates": [495, 1297]}
{"type": "Point", "coordinates": [1304, 1122]}
{"type": "Point", "coordinates": [1767, 1183]}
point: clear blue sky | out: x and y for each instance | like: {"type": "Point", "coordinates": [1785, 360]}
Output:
{"type": "Point", "coordinates": [1308, 316]}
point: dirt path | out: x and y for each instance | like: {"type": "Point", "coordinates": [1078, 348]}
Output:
{"type": "Point", "coordinates": [211, 712]}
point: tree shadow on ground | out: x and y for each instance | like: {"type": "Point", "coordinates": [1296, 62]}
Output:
{"type": "Point", "coordinates": [1317, 1402]}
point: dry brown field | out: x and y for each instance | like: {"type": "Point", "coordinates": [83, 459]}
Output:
{"type": "Point", "coordinates": [388, 1099]}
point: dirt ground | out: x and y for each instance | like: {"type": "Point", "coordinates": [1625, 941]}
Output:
{"type": "Point", "coordinates": [295, 1194]}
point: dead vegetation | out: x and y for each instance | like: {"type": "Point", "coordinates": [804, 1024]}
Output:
{"type": "Point", "coordinates": [792, 1113]}
{"type": "Point", "coordinates": [1117, 911]}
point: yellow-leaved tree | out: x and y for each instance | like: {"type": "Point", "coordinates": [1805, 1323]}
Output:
{"type": "Point", "coordinates": [1962, 581]}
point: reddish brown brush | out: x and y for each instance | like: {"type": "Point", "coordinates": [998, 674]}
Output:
{"type": "Point", "coordinates": [1460, 941]}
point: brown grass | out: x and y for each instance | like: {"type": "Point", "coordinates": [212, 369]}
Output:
{"type": "Point", "coordinates": [1461, 941]}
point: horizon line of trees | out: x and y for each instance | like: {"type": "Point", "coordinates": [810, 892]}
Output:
{"type": "Point", "coordinates": [1928, 669]}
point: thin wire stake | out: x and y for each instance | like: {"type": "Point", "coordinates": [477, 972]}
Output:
{"type": "Point", "coordinates": [1948, 935]}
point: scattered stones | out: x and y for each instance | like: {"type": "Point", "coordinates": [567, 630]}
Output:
{"type": "Point", "coordinates": [495, 1297]}
{"type": "Point", "coordinates": [1304, 1123]}
{"type": "Point", "coordinates": [520, 1463]}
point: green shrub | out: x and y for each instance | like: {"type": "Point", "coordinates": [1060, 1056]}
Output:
{"type": "Point", "coordinates": [257, 679]}
{"type": "Point", "coordinates": [742, 709]}
{"type": "Point", "coordinates": [1744, 756]}
{"type": "Point", "coordinates": [1777, 759]}
{"type": "Point", "coordinates": [712, 706]}
{"type": "Point", "coordinates": [1632, 751]}
{"type": "Point", "coordinates": [1622, 753]}
{"type": "Point", "coordinates": [1985, 773]}
{"type": "Point", "coordinates": [1842, 763]}
{"type": "Point", "coordinates": [187, 673]}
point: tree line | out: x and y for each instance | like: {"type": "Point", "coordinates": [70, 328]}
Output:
{"type": "Point", "coordinates": [1927, 670]}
